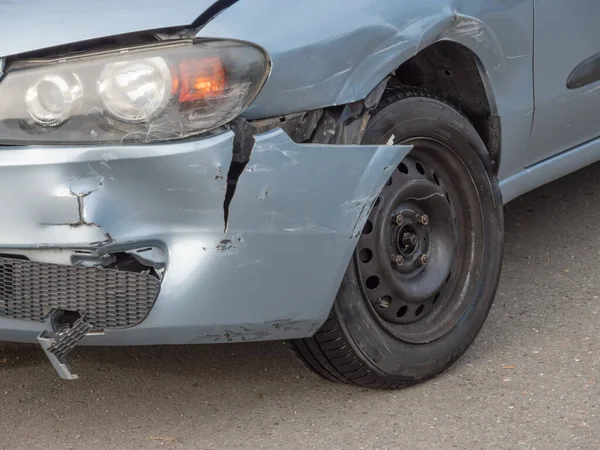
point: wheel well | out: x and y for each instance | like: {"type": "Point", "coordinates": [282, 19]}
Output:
{"type": "Point", "coordinates": [452, 72]}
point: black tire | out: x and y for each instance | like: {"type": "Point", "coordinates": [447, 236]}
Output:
{"type": "Point", "coordinates": [362, 342]}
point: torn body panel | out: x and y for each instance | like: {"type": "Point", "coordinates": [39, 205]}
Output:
{"type": "Point", "coordinates": [297, 209]}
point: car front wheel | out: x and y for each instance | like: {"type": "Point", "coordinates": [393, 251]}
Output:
{"type": "Point", "coordinates": [427, 265]}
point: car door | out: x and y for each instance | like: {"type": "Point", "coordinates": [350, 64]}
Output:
{"type": "Point", "coordinates": [566, 76]}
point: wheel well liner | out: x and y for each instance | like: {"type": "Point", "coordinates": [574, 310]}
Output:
{"type": "Point", "coordinates": [454, 73]}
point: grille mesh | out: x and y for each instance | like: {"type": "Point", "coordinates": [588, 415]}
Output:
{"type": "Point", "coordinates": [109, 298]}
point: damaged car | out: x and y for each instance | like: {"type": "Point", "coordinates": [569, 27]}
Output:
{"type": "Point", "coordinates": [328, 173]}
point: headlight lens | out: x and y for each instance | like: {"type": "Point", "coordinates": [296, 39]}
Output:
{"type": "Point", "coordinates": [140, 95]}
{"type": "Point", "coordinates": [135, 91]}
{"type": "Point", "coordinates": [53, 99]}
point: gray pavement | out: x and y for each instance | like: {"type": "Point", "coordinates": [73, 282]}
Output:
{"type": "Point", "coordinates": [530, 381]}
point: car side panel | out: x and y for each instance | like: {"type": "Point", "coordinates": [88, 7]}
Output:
{"type": "Point", "coordinates": [565, 117]}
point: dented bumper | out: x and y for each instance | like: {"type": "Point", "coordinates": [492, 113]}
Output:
{"type": "Point", "coordinates": [270, 271]}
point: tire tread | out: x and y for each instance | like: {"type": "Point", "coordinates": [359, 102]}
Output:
{"type": "Point", "coordinates": [336, 368]}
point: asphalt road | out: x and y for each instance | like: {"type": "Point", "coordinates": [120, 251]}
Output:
{"type": "Point", "coordinates": [530, 380]}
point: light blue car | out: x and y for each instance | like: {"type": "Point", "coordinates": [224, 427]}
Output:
{"type": "Point", "coordinates": [330, 172]}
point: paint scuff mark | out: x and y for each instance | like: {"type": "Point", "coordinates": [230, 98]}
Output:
{"type": "Point", "coordinates": [224, 245]}
{"type": "Point", "coordinates": [321, 82]}
{"type": "Point", "coordinates": [291, 156]}
{"type": "Point", "coordinates": [179, 190]}
{"type": "Point", "coordinates": [255, 262]}
{"type": "Point", "coordinates": [238, 336]}
{"type": "Point", "coordinates": [283, 324]}
{"type": "Point", "coordinates": [219, 175]}
{"type": "Point", "coordinates": [257, 168]}
{"type": "Point", "coordinates": [468, 27]}
{"type": "Point", "coordinates": [519, 56]}
{"type": "Point", "coordinates": [227, 245]}
{"type": "Point", "coordinates": [363, 205]}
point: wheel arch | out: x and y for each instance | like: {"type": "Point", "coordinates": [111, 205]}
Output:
{"type": "Point", "coordinates": [459, 43]}
{"type": "Point", "coordinates": [455, 74]}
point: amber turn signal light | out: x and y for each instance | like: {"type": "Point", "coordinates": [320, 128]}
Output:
{"type": "Point", "coordinates": [200, 79]}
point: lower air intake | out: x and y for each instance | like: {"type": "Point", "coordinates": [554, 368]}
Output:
{"type": "Point", "coordinates": [108, 298]}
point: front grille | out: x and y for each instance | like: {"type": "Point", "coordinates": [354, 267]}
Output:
{"type": "Point", "coordinates": [109, 298]}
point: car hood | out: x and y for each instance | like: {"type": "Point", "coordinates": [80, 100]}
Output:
{"type": "Point", "coordinates": [27, 25]}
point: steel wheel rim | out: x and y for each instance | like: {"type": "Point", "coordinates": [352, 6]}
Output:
{"type": "Point", "coordinates": [418, 300]}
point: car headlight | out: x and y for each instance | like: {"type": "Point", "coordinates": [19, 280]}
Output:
{"type": "Point", "coordinates": [140, 95]}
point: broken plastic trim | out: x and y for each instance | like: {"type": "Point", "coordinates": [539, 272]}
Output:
{"type": "Point", "coordinates": [149, 259]}
{"type": "Point", "coordinates": [63, 334]}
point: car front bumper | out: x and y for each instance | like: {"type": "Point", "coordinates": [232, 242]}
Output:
{"type": "Point", "coordinates": [270, 272]}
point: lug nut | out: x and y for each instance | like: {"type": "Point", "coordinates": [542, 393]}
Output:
{"type": "Point", "coordinates": [397, 260]}
{"type": "Point", "coordinates": [423, 219]}
{"type": "Point", "coordinates": [423, 259]}
{"type": "Point", "coordinates": [398, 220]}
